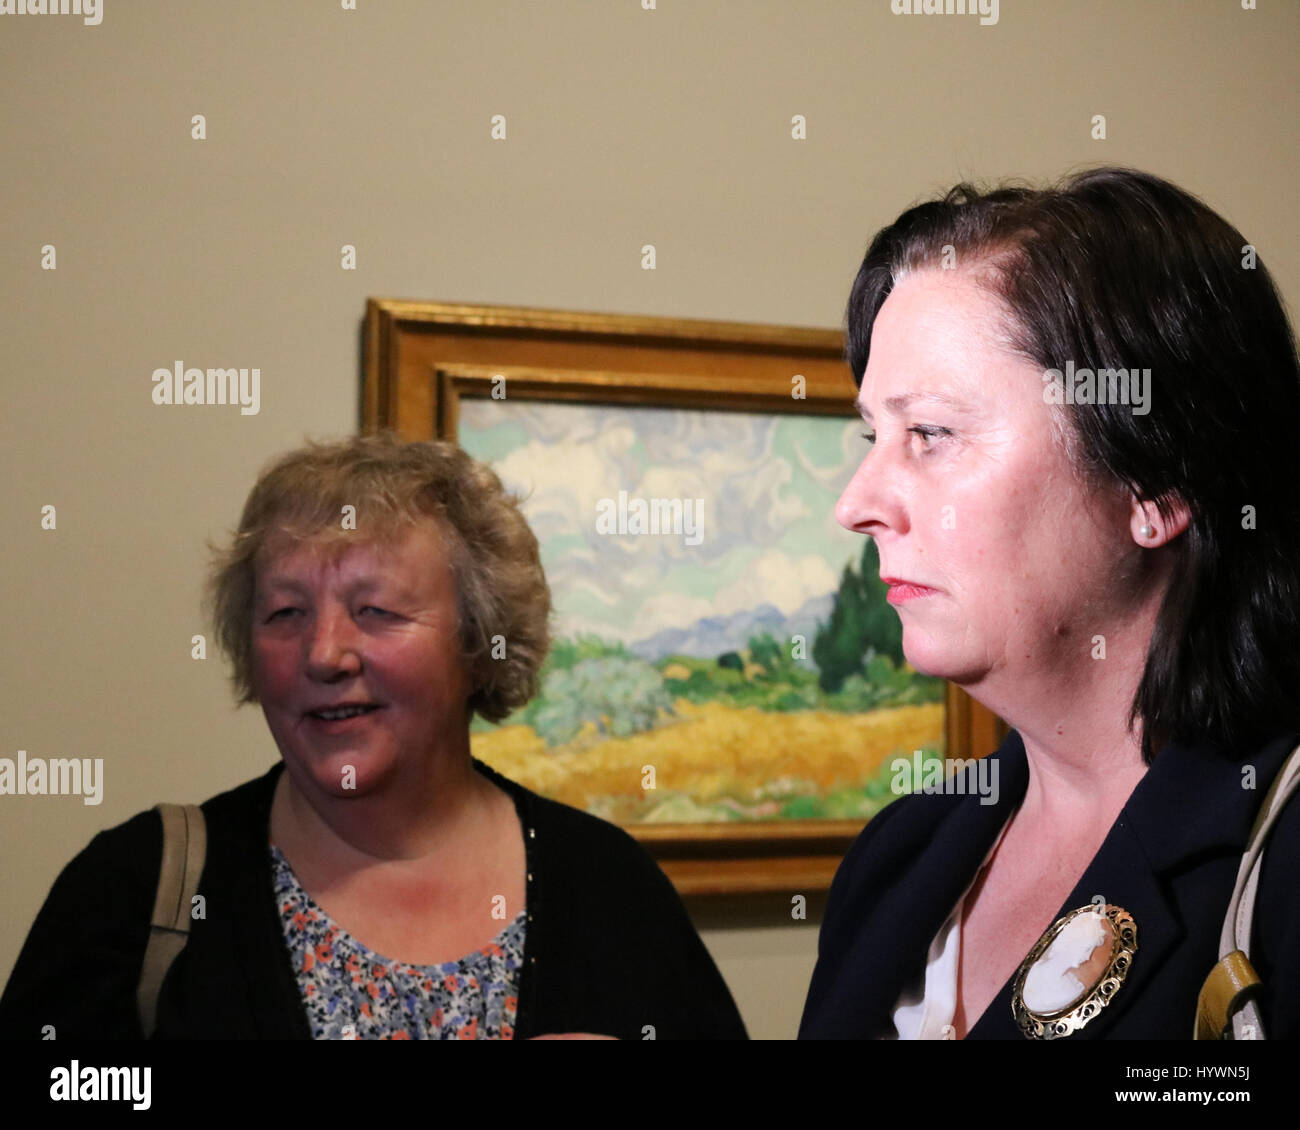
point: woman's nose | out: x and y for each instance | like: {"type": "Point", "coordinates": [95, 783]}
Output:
{"type": "Point", "coordinates": [845, 509]}
{"type": "Point", "coordinates": [862, 503]}
{"type": "Point", "coordinates": [331, 645]}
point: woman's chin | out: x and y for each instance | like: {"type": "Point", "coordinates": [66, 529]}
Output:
{"type": "Point", "coordinates": [938, 662]}
{"type": "Point", "coordinates": [344, 774]}
{"type": "Point", "coordinates": [924, 660]}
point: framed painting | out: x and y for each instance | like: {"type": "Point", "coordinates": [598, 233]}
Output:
{"type": "Point", "coordinates": [727, 682]}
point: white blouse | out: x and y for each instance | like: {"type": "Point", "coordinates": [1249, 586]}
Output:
{"type": "Point", "coordinates": [925, 1009]}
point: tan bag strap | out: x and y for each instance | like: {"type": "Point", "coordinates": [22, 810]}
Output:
{"type": "Point", "coordinates": [185, 842]}
{"type": "Point", "coordinates": [1226, 1007]}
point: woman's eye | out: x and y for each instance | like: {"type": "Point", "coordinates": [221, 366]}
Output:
{"type": "Point", "coordinates": [367, 608]}
{"type": "Point", "coordinates": [925, 431]}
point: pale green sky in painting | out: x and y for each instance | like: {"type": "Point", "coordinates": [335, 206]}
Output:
{"type": "Point", "coordinates": [768, 483]}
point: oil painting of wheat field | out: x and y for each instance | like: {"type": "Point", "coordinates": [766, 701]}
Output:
{"type": "Point", "coordinates": [723, 649]}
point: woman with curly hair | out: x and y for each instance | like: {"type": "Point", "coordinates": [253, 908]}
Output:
{"type": "Point", "coordinates": [378, 882]}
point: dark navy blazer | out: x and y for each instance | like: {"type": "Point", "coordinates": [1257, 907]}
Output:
{"type": "Point", "coordinates": [1170, 859]}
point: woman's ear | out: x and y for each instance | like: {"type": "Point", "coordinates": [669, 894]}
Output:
{"type": "Point", "coordinates": [1150, 529]}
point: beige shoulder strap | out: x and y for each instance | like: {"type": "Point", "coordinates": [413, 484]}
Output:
{"type": "Point", "coordinates": [1228, 996]}
{"type": "Point", "coordinates": [184, 847]}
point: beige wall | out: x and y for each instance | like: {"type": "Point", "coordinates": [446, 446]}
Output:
{"type": "Point", "coordinates": [328, 127]}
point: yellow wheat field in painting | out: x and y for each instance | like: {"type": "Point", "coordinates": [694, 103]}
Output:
{"type": "Point", "coordinates": [713, 758]}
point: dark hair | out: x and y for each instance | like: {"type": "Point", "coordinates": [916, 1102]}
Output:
{"type": "Point", "coordinates": [1114, 267]}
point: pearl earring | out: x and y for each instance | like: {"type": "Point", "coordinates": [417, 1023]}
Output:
{"type": "Point", "coordinates": [1147, 531]}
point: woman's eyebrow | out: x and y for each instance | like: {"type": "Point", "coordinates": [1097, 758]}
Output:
{"type": "Point", "coordinates": [361, 586]}
{"type": "Point", "coordinates": [280, 584]}
{"type": "Point", "coordinates": [897, 404]}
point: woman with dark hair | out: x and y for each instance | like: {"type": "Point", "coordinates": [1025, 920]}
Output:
{"type": "Point", "coordinates": [1082, 485]}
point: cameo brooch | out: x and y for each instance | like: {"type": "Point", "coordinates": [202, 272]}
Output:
{"type": "Point", "coordinates": [1074, 971]}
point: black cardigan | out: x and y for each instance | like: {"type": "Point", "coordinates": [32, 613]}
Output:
{"type": "Point", "coordinates": [609, 947]}
{"type": "Point", "coordinates": [1170, 859]}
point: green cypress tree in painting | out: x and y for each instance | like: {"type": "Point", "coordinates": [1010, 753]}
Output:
{"type": "Point", "coordinates": [862, 624]}
{"type": "Point", "coordinates": [884, 630]}
{"type": "Point", "coordinates": [837, 648]}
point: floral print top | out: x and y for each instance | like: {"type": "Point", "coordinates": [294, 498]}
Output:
{"type": "Point", "coordinates": [352, 993]}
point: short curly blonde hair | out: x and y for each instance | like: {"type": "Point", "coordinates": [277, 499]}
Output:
{"type": "Point", "coordinates": [502, 594]}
